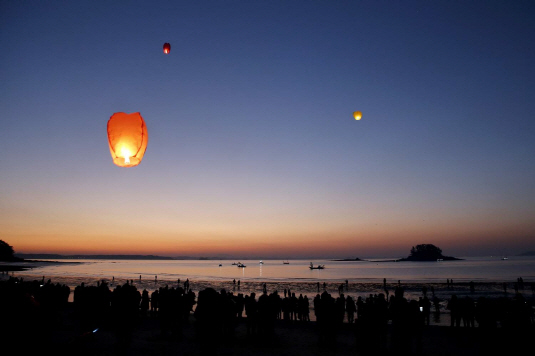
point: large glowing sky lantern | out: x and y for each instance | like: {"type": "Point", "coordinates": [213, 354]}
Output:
{"type": "Point", "coordinates": [127, 137]}
{"type": "Point", "coordinates": [357, 115]}
{"type": "Point", "coordinates": [166, 48]}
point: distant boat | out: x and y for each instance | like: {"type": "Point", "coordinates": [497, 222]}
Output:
{"type": "Point", "coordinates": [234, 263]}
{"type": "Point", "coordinates": [220, 265]}
{"type": "Point", "coordinates": [316, 267]}
{"type": "Point", "coordinates": [241, 264]}
{"type": "Point", "coordinates": [285, 262]}
{"type": "Point", "coordinates": [504, 258]}
{"type": "Point", "coordinates": [261, 262]}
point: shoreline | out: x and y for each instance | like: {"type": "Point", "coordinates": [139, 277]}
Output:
{"type": "Point", "coordinates": [25, 265]}
{"type": "Point", "coordinates": [412, 290]}
{"type": "Point", "coordinates": [61, 329]}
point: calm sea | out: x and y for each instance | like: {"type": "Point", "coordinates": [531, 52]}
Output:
{"type": "Point", "coordinates": [484, 269]}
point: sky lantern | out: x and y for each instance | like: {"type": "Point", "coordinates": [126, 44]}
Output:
{"type": "Point", "coordinates": [127, 137]}
{"type": "Point", "coordinates": [166, 48]}
{"type": "Point", "coordinates": [357, 115]}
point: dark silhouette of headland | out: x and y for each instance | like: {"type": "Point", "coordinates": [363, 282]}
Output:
{"type": "Point", "coordinates": [348, 259]}
{"type": "Point", "coordinates": [92, 257]}
{"type": "Point", "coordinates": [7, 254]}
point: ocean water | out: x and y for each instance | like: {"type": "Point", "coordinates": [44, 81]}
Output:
{"type": "Point", "coordinates": [363, 277]}
{"type": "Point", "coordinates": [484, 269]}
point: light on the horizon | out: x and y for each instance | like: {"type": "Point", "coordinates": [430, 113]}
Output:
{"type": "Point", "coordinates": [127, 138]}
{"type": "Point", "coordinates": [357, 115]}
{"type": "Point", "coordinates": [166, 48]}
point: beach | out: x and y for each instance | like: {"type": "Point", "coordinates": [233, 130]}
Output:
{"type": "Point", "coordinates": [64, 331]}
{"type": "Point", "coordinates": [293, 339]}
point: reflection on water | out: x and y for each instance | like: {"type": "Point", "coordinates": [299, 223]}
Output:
{"type": "Point", "coordinates": [477, 269]}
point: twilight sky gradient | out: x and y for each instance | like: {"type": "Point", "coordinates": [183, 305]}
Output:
{"type": "Point", "coordinates": [253, 151]}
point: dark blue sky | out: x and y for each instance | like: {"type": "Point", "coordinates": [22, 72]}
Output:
{"type": "Point", "coordinates": [252, 145]}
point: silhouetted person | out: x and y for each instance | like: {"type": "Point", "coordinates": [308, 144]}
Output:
{"type": "Point", "coordinates": [240, 305]}
{"type": "Point", "coordinates": [467, 311]}
{"type": "Point", "coordinates": [208, 324]}
{"type": "Point", "coordinates": [453, 306]}
{"type": "Point", "coordinates": [145, 301]}
{"type": "Point", "coordinates": [350, 309]}
{"type": "Point", "coordinates": [125, 301]}
{"type": "Point", "coordinates": [154, 298]}
{"type": "Point", "coordinates": [306, 309]}
{"type": "Point", "coordinates": [340, 308]}
{"type": "Point", "coordinates": [251, 310]}
{"type": "Point", "coordinates": [426, 309]}
{"type": "Point", "coordinates": [360, 307]}
{"type": "Point", "coordinates": [326, 320]}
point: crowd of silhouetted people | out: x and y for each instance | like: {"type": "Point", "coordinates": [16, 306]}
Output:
{"type": "Point", "coordinates": [216, 314]}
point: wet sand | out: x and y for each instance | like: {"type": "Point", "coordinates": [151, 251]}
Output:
{"type": "Point", "coordinates": [413, 290]}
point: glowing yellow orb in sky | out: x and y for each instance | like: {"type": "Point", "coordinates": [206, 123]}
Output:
{"type": "Point", "coordinates": [357, 115]}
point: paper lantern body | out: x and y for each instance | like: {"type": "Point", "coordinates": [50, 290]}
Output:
{"type": "Point", "coordinates": [357, 115]}
{"type": "Point", "coordinates": [127, 137]}
{"type": "Point", "coordinates": [166, 48]}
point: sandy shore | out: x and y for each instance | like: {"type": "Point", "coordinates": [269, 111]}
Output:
{"type": "Point", "coordinates": [292, 339]}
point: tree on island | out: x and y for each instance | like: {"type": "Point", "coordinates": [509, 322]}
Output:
{"type": "Point", "coordinates": [427, 252]}
{"type": "Point", "coordinates": [6, 252]}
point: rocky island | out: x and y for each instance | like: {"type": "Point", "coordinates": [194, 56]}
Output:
{"type": "Point", "coordinates": [427, 252]}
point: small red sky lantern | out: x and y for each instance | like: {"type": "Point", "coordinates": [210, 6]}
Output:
{"type": "Point", "coordinates": [127, 137]}
{"type": "Point", "coordinates": [166, 48]}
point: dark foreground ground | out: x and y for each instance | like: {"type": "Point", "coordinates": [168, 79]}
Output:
{"type": "Point", "coordinates": [66, 337]}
